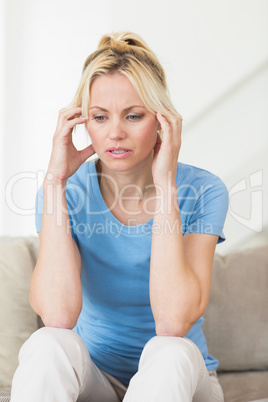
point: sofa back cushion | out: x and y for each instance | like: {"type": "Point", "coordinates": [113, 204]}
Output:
{"type": "Point", "coordinates": [236, 319]}
{"type": "Point", "coordinates": [17, 320]}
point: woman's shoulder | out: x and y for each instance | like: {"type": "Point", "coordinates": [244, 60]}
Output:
{"type": "Point", "coordinates": [196, 176]}
{"type": "Point", "coordinates": [83, 173]}
{"type": "Point", "coordinates": [201, 184]}
{"type": "Point", "coordinates": [78, 185]}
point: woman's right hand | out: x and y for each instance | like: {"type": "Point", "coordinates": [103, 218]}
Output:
{"type": "Point", "coordinates": [65, 158]}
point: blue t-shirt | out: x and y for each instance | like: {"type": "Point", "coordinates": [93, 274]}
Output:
{"type": "Point", "coordinates": [116, 320]}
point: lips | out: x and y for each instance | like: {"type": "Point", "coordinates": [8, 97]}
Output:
{"type": "Point", "coordinates": [118, 153]}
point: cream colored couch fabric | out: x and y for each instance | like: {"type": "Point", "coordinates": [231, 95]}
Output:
{"type": "Point", "coordinates": [236, 319]}
{"type": "Point", "coordinates": [17, 319]}
{"type": "Point", "coordinates": [236, 323]}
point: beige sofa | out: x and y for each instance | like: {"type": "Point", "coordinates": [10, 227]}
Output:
{"type": "Point", "coordinates": [236, 319]}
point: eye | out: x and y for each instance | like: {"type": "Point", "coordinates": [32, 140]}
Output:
{"type": "Point", "coordinates": [99, 118]}
{"type": "Point", "coordinates": [134, 117]}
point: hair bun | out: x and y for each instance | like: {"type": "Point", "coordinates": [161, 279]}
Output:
{"type": "Point", "coordinates": [122, 41]}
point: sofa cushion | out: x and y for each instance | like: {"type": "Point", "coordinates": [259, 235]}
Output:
{"type": "Point", "coordinates": [17, 319]}
{"type": "Point", "coordinates": [244, 386]}
{"type": "Point", "coordinates": [236, 319]}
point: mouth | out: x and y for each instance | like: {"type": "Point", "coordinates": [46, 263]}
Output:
{"type": "Point", "coordinates": [119, 152]}
{"type": "Point", "coordinates": [114, 151]}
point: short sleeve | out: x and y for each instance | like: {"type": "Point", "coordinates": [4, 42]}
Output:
{"type": "Point", "coordinates": [210, 209]}
{"type": "Point", "coordinates": [39, 213]}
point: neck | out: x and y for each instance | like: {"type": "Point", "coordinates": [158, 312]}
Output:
{"type": "Point", "coordinates": [136, 184]}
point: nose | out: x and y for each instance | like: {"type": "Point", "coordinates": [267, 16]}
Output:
{"type": "Point", "coordinates": [117, 131]}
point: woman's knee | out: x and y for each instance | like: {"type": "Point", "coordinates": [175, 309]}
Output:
{"type": "Point", "coordinates": [47, 343]}
{"type": "Point", "coordinates": [50, 356]}
{"type": "Point", "coordinates": [170, 350]}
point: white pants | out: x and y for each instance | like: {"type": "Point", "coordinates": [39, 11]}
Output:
{"type": "Point", "coordinates": [55, 367]}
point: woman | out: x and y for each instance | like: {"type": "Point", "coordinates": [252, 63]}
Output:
{"type": "Point", "coordinates": [126, 246]}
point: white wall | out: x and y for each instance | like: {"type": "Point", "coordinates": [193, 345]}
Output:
{"type": "Point", "coordinates": [47, 43]}
{"type": "Point", "coordinates": [215, 55]}
{"type": "Point", "coordinates": [2, 125]}
{"type": "Point", "coordinates": [233, 133]}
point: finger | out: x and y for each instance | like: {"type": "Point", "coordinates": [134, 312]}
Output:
{"type": "Point", "coordinates": [70, 124]}
{"type": "Point", "coordinates": [67, 128]}
{"type": "Point", "coordinates": [166, 128]}
{"type": "Point", "coordinates": [177, 127]}
{"type": "Point", "coordinates": [170, 126]}
{"type": "Point", "coordinates": [69, 113]}
{"type": "Point", "coordinates": [172, 121]}
{"type": "Point", "coordinates": [165, 124]}
{"type": "Point", "coordinates": [70, 109]}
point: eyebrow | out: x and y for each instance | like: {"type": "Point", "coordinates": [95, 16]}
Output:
{"type": "Point", "coordinates": [125, 110]}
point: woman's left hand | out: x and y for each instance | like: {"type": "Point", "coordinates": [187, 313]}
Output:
{"type": "Point", "coordinates": [166, 151]}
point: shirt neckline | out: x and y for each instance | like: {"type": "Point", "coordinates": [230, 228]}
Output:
{"type": "Point", "coordinates": [101, 205]}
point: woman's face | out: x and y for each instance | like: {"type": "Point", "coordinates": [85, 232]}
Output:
{"type": "Point", "coordinates": [122, 130]}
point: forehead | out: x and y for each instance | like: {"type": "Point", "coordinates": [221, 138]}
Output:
{"type": "Point", "coordinates": [111, 88]}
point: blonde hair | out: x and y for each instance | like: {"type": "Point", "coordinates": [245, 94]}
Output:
{"type": "Point", "coordinates": [127, 53]}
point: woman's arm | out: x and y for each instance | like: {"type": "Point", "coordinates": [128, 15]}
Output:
{"type": "Point", "coordinates": [55, 292]}
{"type": "Point", "coordinates": [180, 275]}
{"type": "Point", "coordinates": [180, 272]}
